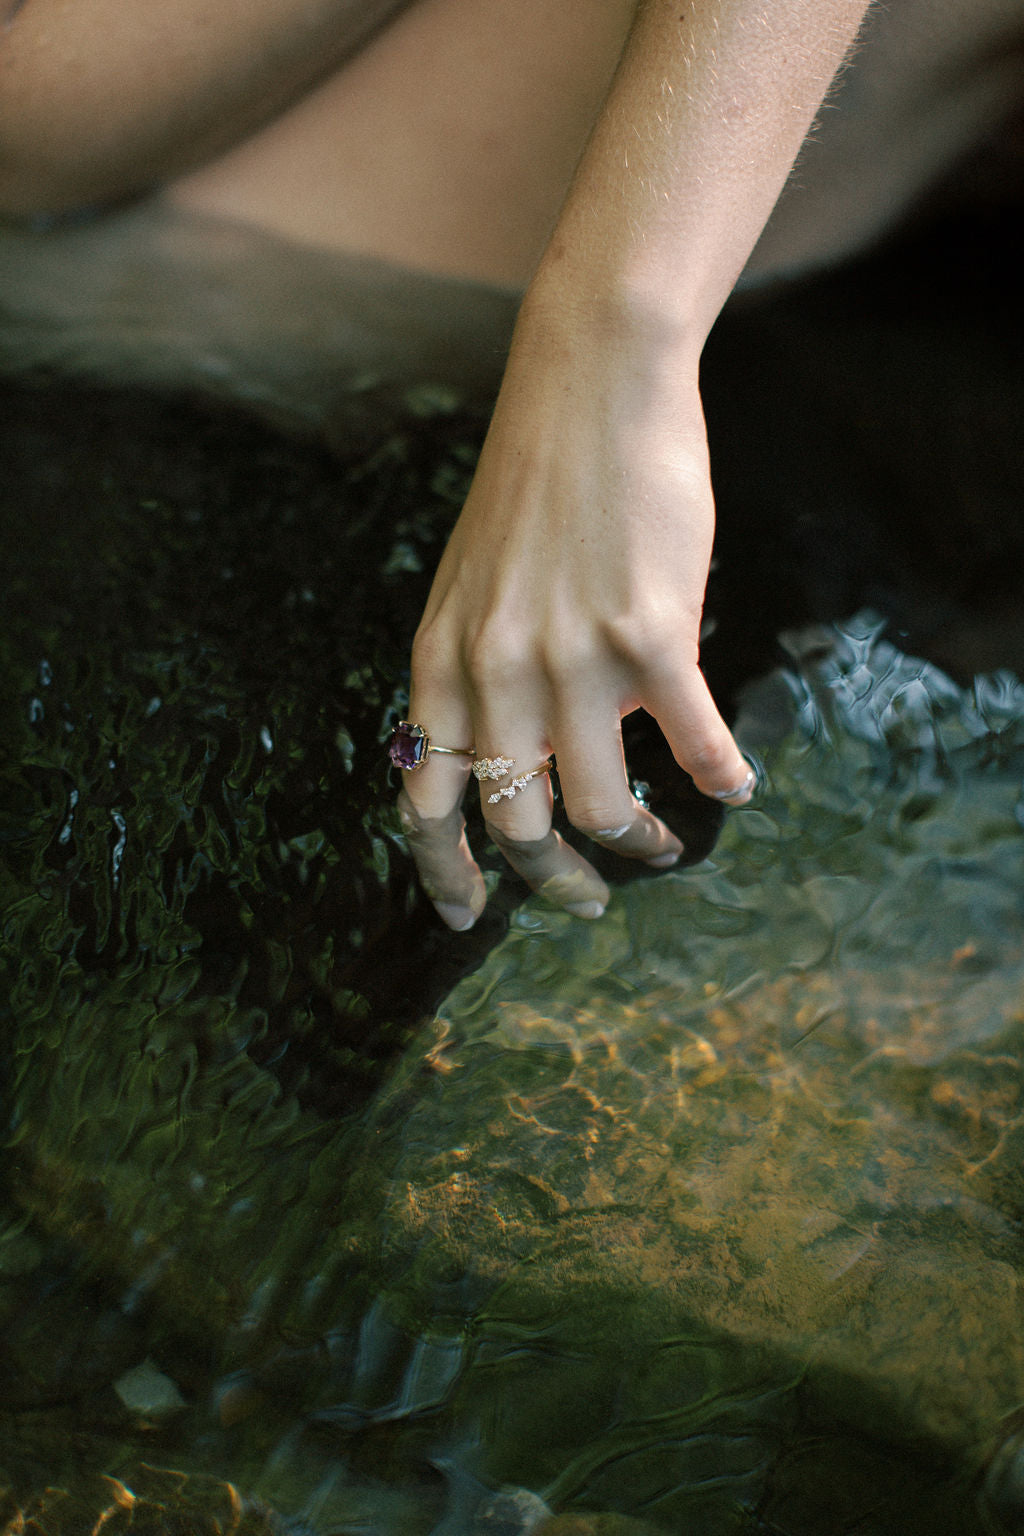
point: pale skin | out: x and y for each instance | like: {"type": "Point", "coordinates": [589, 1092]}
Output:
{"type": "Point", "coordinates": [571, 590]}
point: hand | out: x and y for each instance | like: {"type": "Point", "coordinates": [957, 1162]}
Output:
{"type": "Point", "coordinates": [570, 594]}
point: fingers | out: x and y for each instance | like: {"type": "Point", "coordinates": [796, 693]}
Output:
{"type": "Point", "coordinates": [598, 801]}
{"type": "Point", "coordinates": [517, 797]}
{"type": "Point", "coordinates": [701, 742]}
{"type": "Point", "coordinates": [517, 806]}
{"type": "Point", "coordinates": [448, 872]}
{"type": "Point", "coordinates": [517, 801]}
{"type": "Point", "coordinates": [429, 808]}
{"type": "Point", "coordinates": [556, 871]}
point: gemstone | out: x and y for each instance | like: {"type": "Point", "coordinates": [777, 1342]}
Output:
{"type": "Point", "coordinates": [409, 745]}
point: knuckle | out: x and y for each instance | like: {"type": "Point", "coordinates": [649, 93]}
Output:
{"type": "Point", "coordinates": [642, 634]}
{"type": "Point", "coordinates": [431, 652]}
{"type": "Point", "coordinates": [711, 760]}
{"type": "Point", "coordinates": [597, 816]}
{"type": "Point", "coordinates": [569, 666]}
{"type": "Point", "coordinates": [493, 656]}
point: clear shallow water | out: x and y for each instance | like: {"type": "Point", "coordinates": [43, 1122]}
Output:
{"type": "Point", "coordinates": [705, 1218]}
{"type": "Point", "coordinates": [315, 1217]}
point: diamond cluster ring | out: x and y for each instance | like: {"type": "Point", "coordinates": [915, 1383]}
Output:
{"type": "Point", "coordinates": [492, 767]}
{"type": "Point", "coordinates": [500, 768]}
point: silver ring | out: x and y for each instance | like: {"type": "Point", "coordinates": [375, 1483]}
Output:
{"type": "Point", "coordinates": [743, 789]}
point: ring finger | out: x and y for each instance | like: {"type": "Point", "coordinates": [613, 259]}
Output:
{"type": "Point", "coordinates": [598, 800]}
{"type": "Point", "coordinates": [516, 799]}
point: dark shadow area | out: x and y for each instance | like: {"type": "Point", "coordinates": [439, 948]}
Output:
{"type": "Point", "coordinates": [866, 442]}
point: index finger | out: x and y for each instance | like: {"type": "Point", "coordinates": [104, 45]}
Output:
{"type": "Point", "coordinates": [448, 873]}
{"type": "Point", "coordinates": [434, 774]}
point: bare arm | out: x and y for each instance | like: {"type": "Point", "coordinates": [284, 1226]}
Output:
{"type": "Point", "coordinates": [572, 587]}
{"type": "Point", "coordinates": [710, 105]}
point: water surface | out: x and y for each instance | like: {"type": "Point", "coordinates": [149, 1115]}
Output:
{"type": "Point", "coordinates": [314, 1216]}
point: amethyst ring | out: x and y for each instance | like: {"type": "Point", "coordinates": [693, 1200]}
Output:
{"type": "Point", "coordinates": [410, 746]}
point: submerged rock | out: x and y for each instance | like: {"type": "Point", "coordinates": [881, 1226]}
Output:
{"type": "Point", "coordinates": [511, 1512]}
{"type": "Point", "coordinates": [750, 1151]}
{"type": "Point", "coordinates": [145, 1389]}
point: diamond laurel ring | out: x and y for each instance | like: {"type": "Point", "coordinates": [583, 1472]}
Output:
{"type": "Point", "coordinates": [410, 746]}
{"type": "Point", "coordinates": [492, 767]}
{"type": "Point", "coordinates": [500, 767]}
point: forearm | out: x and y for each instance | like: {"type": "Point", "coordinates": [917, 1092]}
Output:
{"type": "Point", "coordinates": [710, 105]}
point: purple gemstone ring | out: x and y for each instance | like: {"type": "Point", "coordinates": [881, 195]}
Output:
{"type": "Point", "coordinates": [410, 746]}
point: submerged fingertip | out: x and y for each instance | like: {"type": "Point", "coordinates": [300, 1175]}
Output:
{"type": "Point", "coordinates": [457, 917]}
{"type": "Point", "coordinates": [665, 860]}
{"type": "Point", "coordinates": [741, 793]}
{"type": "Point", "coordinates": [587, 909]}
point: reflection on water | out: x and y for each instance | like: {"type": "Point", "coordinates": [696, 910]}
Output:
{"type": "Point", "coordinates": [747, 1167]}
{"type": "Point", "coordinates": [705, 1218]}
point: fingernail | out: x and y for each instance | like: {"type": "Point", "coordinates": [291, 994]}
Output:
{"type": "Point", "coordinates": [665, 860]}
{"type": "Point", "coordinates": [588, 909]}
{"type": "Point", "coordinates": [457, 917]}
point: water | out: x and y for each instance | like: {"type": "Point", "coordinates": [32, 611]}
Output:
{"type": "Point", "coordinates": [315, 1217]}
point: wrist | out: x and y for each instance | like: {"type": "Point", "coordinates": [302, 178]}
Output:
{"type": "Point", "coordinates": [618, 308]}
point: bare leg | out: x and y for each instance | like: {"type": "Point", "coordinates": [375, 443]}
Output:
{"type": "Point", "coordinates": [441, 135]}
{"type": "Point", "coordinates": [447, 145]}
{"type": "Point", "coordinates": [99, 100]}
